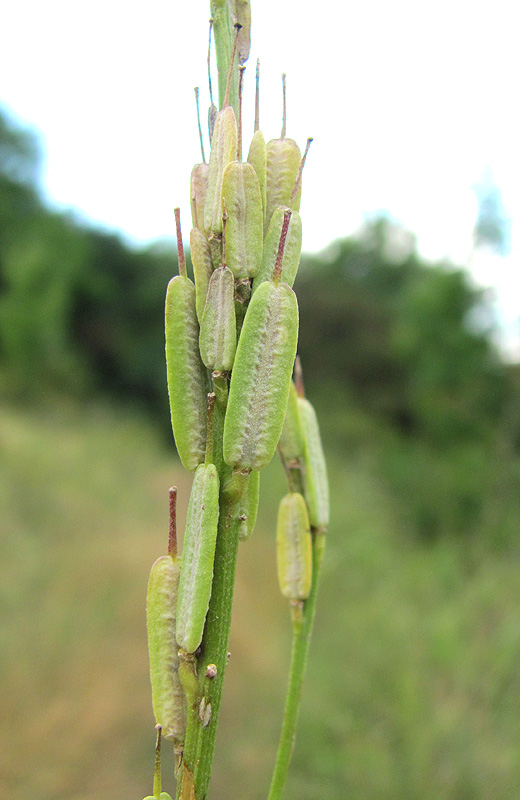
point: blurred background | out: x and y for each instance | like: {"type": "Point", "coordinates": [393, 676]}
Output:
{"type": "Point", "coordinates": [409, 310]}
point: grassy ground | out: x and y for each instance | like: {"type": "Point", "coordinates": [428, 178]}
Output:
{"type": "Point", "coordinates": [413, 690]}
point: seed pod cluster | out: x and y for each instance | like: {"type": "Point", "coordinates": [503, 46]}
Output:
{"type": "Point", "coordinates": [232, 334]}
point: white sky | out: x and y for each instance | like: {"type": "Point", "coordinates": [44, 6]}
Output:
{"type": "Point", "coordinates": [407, 102]}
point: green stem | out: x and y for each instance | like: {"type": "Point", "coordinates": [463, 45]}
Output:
{"type": "Point", "coordinates": [224, 34]}
{"type": "Point", "coordinates": [302, 630]}
{"type": "Point", "coordinates": [204, 708]}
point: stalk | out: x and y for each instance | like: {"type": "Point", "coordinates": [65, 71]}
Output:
{"type": "Point", "coordinates": [205, 697]}
{"type": "Point", "coordinates": [302, 624]}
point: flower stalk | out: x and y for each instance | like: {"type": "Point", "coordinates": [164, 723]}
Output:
{"type": "Point", "coordinates": [231, 340]}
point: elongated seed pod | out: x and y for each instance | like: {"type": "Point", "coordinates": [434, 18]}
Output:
{"type": "Point", "coordinates": [315, 482]}
{"type": "Point", "coordinates": [249, 506]}
{"type": "Point", "coordinates": [168, 698]}
{"type": "Point", "coordinates": [162, 796]}
{"type": "Point", "coordinates": [212, 118]}
{"type": "Point", "coordinates": [283, 165]}
{"type": "Point", "coordinates": [245, 218]}
{"type": "Point", "coordinates": [199, 187]}
{"type": "Point", "coordinates": [218, 330]}
{"type": "Point", "coordinates": [261, 376]}
{"type": "Point", "coordinates": [243, 18]}
{"type": "Point", "coordinates": [198, 553]}
{"type": "Point", "coordinates": [291, 253]}
{"type": "Point", "coordinates": [257, 158]}
{"type": "Point", "coordinates": [291, 444]}
{"type": "Point", "coordinates": [202, 268]}
{"type": "Point", "coordinates": [223, 151]}
{"type": "Point", "coordinates": [187, 378]}
{"type": "Point", "coordinates": [294, 547]}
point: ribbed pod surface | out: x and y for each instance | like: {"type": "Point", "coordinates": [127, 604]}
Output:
{"type": "Point", "coordinates": [187, 378]}
{"type": "Point", "coordinates": [168, 698]}
{"type": "Point", "coordinates": [261, 376]}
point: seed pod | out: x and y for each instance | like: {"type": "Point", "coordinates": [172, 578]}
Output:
{"type": "Point", "coordinates": [291, 253]}
{"type": "Point", "coordinates": [212, 118]}
{"type": "Point", "coordinates": [223, 150]}
{"type": "Point", "coordinates": [218, 330]}
{"type": "Point", "coordinates": [294, 547]}
{"type": "Point", "coordinates": [315, 483]}
{"type": "Point", "coordinates": [187, 378]}
{"type": "Point", "coordinates": [243, 18]}
{"type": "Point", "coordinates": [199, 187]}
{"type": "Point", "coordinates": [291, 441]}
{"type": "Point", "coordinates": [261, 376]}
{"type": "Point", "coordinates": [257, 158]}
{"type": "Point", "coordinates": [198, 553]}
{"type": "Point", "coordinates": [162, 796]}
{"type": "Point", "coordinates": [168, 698]}
{"type": "Point", "coordinates": [249, 506]}
{"type": "Point", "coordinates": [283, 165]}
{"type": "Point", "coordinates": [202, 268]}
{"type": "Point", "coordinates": [244, 228]}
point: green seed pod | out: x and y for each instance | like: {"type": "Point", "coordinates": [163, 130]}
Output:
{"type": "Point", "coordinates": [199, 187]}
{"type": "Point", "coordinates": [244, 228]}
{"type": "Point", "coordinates": [249, 506]}
{"type": "Point", "coordinates": [294, 547]}
{"type": "Point", "coordinates": [223, 150]}
{"type": "Point", "coordinates": [212, 118]}
{"type": "Point", "coordinates": [162, 796]}
{"type": "Point", "coordinates": [187, 378]}
{"type": "Point", "coordinates": [218, 330]}
{"type": "Point", "coordinates": [283, 165]}
{"type": "Point", "coordinates": [242, 10]}
{"type": "Point", "coordinates": [291, 441]}
{"type": "Point", "coordinates": [261, 377]}
{"type": "Point", "coordinates": [257, 158]}
{"type": "Point", "coordinates": [198, 553]}
{"type": "Point", "coordinates": [202, 268]}
{"type": "Point", "coordinates": [291, 253]}
{"type": "Point", "coordinates": [168, 698]}
{"type": "Point", "coordinates": [315, 483]}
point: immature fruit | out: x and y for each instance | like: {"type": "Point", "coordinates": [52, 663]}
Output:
{"type": "Point", "coordinates": [162, 796]}
{"type": "Point", "coordinates": [223, 151]}
{"type": "Point", "coordinates": [244, 228]}
{"type": "Point", "coordinates": [292, 249]}
{"type": "Point", "coordinates": [315, 483]}
{"type": "Point", "coordinates": [168, 698]}
{"type": "Point", "coordinates": [248, 506]}
{"type": "Point", "coordinates": [291, 444]}
{"type": "Point", "coordinates": [261, 376]}
{"type": "Point", "coordinates": [199, 187]}
{"type": "Point", "coordinates": [257, 158]}
{"type": "Point", "coordinates": [187, 378]}
{"type": "Point", "coordinates": [294, 547]}
{"type": "Point", "coordinates": [242, 10]}
{"type": "Point", "coordinates": [283, 165]}
{"type": "Point", "coordinates": [218, 330]}
{"type": "Point", "coordinates": [202, 268]}
{"type": "Point", "coordinates": [198, 553]}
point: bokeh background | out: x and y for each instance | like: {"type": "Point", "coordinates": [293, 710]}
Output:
{"type": "Point", "coordinates": [409, 356]}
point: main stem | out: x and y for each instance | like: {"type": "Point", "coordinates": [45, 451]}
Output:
{"type": "Point", "coordinates": [204, 707]}
{"type": "Point", "coordinates": [302, 630]}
